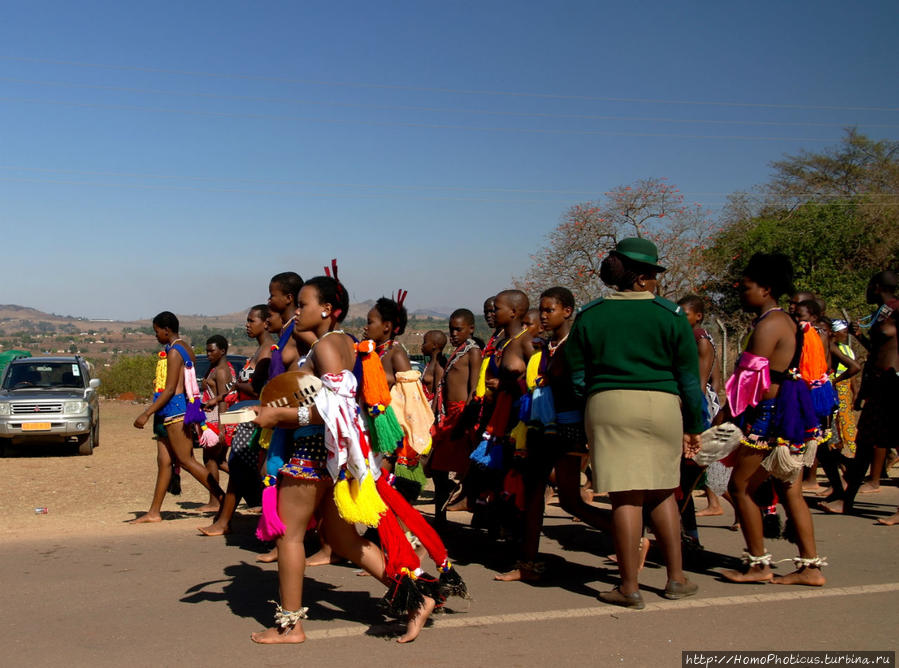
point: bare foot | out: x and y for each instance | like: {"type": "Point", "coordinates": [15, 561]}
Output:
{"type": "Point", "coordinates": [734, 527]}
{"type": "Point", "coordinates": [869, 488]}
{"type": "Point", "coordinates": [269, 557]}
{"type": "Point", "coordinates": [710, 511]}
{"type": "Point", "coordinates": [275, 636]}
{"type": "Point", "coordinates": [832, 508]}
{"type": "Point", "coordinates": [587, 494]}
{"type": "Point", "coordinates": [459, 506]}
{"type": "Point", "coordinates": [417, 620]}
{"type": "Point", "coordinates": [754, 574]}
{"type": "Point", "coordinates": [813, 487]}
{"type": "Point", "coordinates": [147, 518]}
{"type": "Point", "coordinates": [812, 577]}
{"type": "Point", "coordinates": [519, 574]}
{"type": "Point", "coordinates": [889, 521]}
{"type": "Point", "coordinates": [215, 529]}
{"type": "Point", "coordinates": [209, 507]}
{"type": "Point", "coordinates": [824, 491]}
{"type": "Point", "coordinates": [322, 558]}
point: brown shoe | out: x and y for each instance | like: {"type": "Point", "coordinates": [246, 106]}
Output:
{"type": "Point", "coordinates": [617, 597]}
{"type": "Point", "coordinates": [675, 590]}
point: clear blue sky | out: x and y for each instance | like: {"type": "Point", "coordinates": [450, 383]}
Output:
{"type": "Point", "coordinates": [176, 155]}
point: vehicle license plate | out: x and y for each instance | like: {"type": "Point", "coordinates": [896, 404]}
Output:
{"type": "Point", "coordinates": [35, 426]}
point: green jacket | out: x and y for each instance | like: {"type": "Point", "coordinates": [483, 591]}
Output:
{"type": "Point", "coordinates": [634, 341]}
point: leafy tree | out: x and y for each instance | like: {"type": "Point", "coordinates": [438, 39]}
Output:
{"type": "Point", "coordinates": [835, 214]}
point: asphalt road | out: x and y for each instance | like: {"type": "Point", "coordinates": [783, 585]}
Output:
{"type": "Point", "coordinates": [161, 595]}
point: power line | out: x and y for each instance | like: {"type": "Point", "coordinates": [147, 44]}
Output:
{"type": "Point", "coordinates": [405, 124]}
{"type": "Point", "coordinates": [382, 186]}
{"type": "Point", "coordinates": [345, 195]}
{"type": "Point", "coordinates": [452, 110]}
{"type": "Point", "coordinates": [427, 89]}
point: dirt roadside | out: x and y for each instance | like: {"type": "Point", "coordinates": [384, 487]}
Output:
{"type": "Point", "coordinates": [91, 495]}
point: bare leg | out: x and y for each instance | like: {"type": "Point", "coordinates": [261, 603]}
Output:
{"type": "Point", "coordinates": [666, 525]}
{"type": "Point", "coordinates": [713, 505]}
{"type": "Point", "coordinates": [182, 449]}
{"type": "Point", "coordinates": [297, 500]}
{"type": "Point", "coordinates": [365, 554]}
{"type": "Point", "coordinates": [568, 479]}
{"type": "Point", "coordinates": [748, 474]}
{"type": "Point", "coordinates": [627, 527]}
{"type": "Point", "coordinates": [163, 476]}
{"type": "Point", "coordinates": [222, 523]}
{"type": "Point", "coordinates": [212, 458]}
{"type": "Point", "coordinates": [325, 555]}
{"type": "Point", "coordinates": [797, 510]}
{"type": "Point", "coordinates": [877, 464]}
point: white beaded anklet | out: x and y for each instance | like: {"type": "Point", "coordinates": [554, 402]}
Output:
{"type": "Point", "coordinates": [286, 619]}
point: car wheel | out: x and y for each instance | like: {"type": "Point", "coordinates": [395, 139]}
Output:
{"type": "Point", "coordinates": [86, 444]}
{"type": "Point", "coordinates": [96, 433]}
{"type": "Point", "coordinates": [4, 442]}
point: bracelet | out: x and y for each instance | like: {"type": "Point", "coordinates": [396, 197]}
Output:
{"type": "Point", "coordinates": [303, 415]}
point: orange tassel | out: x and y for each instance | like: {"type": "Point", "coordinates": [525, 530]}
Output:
{"type": "Point", "coordinates": [813, 362]}
{"type": "Point", "coordinates": [375, 391]}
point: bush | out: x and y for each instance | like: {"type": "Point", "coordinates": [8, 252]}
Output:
{"type": "Point", "coordinates": [133, 374]}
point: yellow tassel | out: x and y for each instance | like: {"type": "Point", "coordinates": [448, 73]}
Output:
{"type": "Point", "coordinates": [519, 436]}
{"type": "Point", "coordinates": [161, 372]}
{"type": "Point", "coordinates": [359, 503]}
{"type": "Point", "coordinates": [481, 389]}
{"type": "Point", "coordinates": [265, 438]}
{"type": "Point", "coordinates": [371, 505]}
{"type": "Point", "coordinates": [533, 369]}
{"type": "Point", "coordinates": [344, 502]}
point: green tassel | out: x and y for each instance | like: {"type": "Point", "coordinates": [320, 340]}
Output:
{"type": "Point", "coordinates": [415, 473]}
{"type": "Point", "coordinates": [388, 433]}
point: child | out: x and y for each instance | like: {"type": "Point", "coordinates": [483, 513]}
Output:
{"type": "Point", "coordinates": [218, 394]}
{"type": "Point", "coordinates": [432, 346]}
{"type": "Point", "coordinates": [454, 391]}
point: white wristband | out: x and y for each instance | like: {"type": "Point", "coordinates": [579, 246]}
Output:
{"type": "Point", "coordinates": [303, 415]}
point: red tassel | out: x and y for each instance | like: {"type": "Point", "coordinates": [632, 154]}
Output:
{"type": "Point", "coordinates": [397, 549]}
{"type": "Point", "coordinates": [413, 520]}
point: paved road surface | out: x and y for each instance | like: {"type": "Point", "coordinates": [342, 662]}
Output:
{"type": "Point", "coordinates": [161, 595]}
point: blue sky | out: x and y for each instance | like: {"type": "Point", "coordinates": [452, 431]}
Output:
{"type": "Point", "coordinates": [176, 155]}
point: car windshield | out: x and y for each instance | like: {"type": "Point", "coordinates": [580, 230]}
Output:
{"type": "Point", "coordinates": [43, 374]}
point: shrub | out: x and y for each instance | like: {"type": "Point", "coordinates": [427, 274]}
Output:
{"type": "Point", "coordinates": [133, 374]}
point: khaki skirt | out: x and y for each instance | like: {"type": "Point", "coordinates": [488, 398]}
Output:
{"type": "Point", "coordinates": [636, 439]}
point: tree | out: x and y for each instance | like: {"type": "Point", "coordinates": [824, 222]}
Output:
{"type": "Point", "coordinates": [835, 214]}
{"type": "Point", "coordinates": [652, 209]}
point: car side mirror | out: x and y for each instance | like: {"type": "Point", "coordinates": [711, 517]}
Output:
{"type": "Point", "coordinates": [94, 383]}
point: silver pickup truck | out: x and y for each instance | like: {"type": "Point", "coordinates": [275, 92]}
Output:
{"type": "Point", "coordinates": [50, 399]}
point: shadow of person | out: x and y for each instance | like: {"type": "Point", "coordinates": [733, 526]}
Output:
{"type": "Point", "coordinates": [243, 585]}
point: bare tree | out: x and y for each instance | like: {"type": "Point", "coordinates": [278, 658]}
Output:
{"type": "Point", "coordinates": [652, 209]}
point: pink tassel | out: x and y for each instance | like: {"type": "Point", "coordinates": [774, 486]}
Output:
{"type": "Point", "coordinates": [270, 524]}
{"type": "Point", "coordinates": [208, 438]}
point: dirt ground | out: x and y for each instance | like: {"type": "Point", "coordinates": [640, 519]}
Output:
{"type": "Point", "coordinates": [91, 495]}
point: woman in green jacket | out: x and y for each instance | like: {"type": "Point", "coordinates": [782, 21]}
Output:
{"type": "Point", "coordinates": [634, 360]}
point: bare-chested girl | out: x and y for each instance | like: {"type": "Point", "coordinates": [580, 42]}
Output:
{"type": "Point", "coordinates": [432, 345]}
{"type": "Point", "coordinates": [174, 443]}
{"type": "Point", "coordinates": [305, 484]}
{"type": "Point", "coordinates": [454, 391]}
{"type": "Point", "coordinates": [772, 343]}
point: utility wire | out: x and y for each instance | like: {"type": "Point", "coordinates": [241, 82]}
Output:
{"type": "Point", "coordinates": [404, 124]}
{"type": "Point", "coordinates": [427, 89]}
{"type": "Point", "coordinates": [448, 110]}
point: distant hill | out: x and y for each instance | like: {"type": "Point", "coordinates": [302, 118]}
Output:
{"type": "Point", "coordinates": [16, 319]}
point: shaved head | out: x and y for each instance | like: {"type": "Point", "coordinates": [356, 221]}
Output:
{"type": "Point", "coordinates": [517, 300]}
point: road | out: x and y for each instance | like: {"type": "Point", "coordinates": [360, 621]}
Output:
{"type": "Point", "coordinates": [161, 595]}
